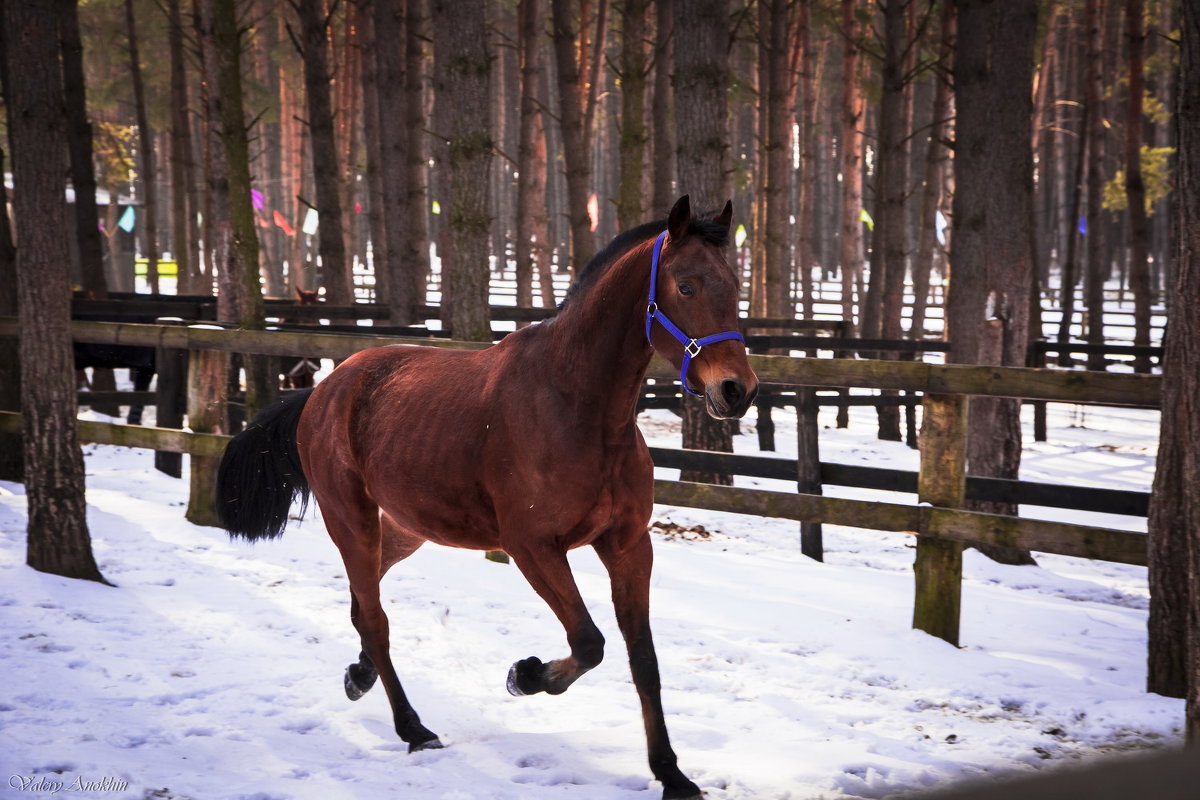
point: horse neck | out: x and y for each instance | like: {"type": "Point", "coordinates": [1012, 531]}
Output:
{"type": "Point", "coordinates": [602, 333]}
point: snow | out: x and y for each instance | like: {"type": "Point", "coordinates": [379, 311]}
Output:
{"type": "Point", "coordinates": [214, 670]}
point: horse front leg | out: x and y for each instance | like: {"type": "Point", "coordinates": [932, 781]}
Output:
{"type": "Point", "coordinates": [629, 559]}
{"type": "Point", "coordinates": [549, 574]}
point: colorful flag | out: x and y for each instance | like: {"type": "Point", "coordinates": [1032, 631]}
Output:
{"type": "Point", "coordinates": [127, 220]}
{"type": "Point", "coordinates": [256, 198]}
{"type": "Point", "coordinates": [739, 236]}
{"type": "Point", "coordinates": [282, 223]}
{"type": "Point", "coordinates": [310, 222]}
{"type": "Point", "coordinates": [866, 217]}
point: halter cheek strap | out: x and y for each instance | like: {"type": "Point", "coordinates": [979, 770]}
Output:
{"type": "Point", "coordinates": [691, 347]}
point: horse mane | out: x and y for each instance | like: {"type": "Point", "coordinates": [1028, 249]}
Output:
{"type": "Point", "coordinates": [623, 242]}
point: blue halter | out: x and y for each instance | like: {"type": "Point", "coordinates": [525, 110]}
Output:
{"type": "Point", "coordinates": [691, 347]}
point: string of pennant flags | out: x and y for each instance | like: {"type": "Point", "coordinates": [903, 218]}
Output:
{"type": "Point", "coordinates": [312, 220]}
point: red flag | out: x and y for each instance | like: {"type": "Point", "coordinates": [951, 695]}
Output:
{"type": "Point", "coordinates": [282, 223]}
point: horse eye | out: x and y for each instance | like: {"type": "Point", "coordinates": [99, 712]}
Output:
{"type": "Point", "coordinates": [686, 289]}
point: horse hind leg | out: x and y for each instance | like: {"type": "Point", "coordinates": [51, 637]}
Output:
{"type": "Point", "coordinates": [366, 560]}
{"type": "Point", "coordinates": [361, 675]}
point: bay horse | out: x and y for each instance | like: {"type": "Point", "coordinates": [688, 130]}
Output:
{"type": "Point", "coordinates": [530, 446]}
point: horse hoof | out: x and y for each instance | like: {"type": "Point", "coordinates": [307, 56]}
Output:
{"type": "Point", "coordinates": [524, 677]}
{"type": "Point", "coordinates": [353, 691]}
{"type": "Point", "coordinates": [357, 681]}
{"type": "Point", "coordinates": [690, 791]}
{"type": "Point", "coordinates": [429, 744]}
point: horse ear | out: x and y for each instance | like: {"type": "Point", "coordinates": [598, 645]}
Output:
{"type": "Point", "coordinates": [725, 218]}
{"type": "Point", "coordinates": [681, 215]}
{"type": "Point", "coordinates": [299, 292]}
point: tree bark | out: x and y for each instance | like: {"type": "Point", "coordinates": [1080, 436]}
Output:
{"type": "Point", "coordinates": [233, 228]}
{"type": "Point", "coordinates": [892, 191]}
{"type": "Point", "coordinates": [58, 540]}
{"type": "Point", "coordinates": [12, 461]}
{"type": "Point", "coordinates": [662, 142]}
{"type": "Point", "coordinates": [807, 226]}
{"type": "Point", "coordinates": [988, 305]}
{"type": "Point", "coordinates": [79, 143]}
{"type": "Point", "coordinates": [181, 159]}
{"type": "Point", "coordinates": [371, 139]}
{"type": "Point", "coordinates": [702, 138]}
{"type": "Point", "coordinates": [461, 69]}
{"type": "Point", "coordinates": [1174, 525]}
{"type": "Point", "coordinates": [935, 160]}
{"type": "Point", "coordinates": [851, 138]}
{"type": "Point", "coordinates": [776, 139]}
{"type": "Point", "coordinates": [1097, 264]}
{"type": "Point", "coordinates": [392, 257]}
{"type": "Point", "coordinates": [533, 225]}
{"type": "Point", "coordinates": [633, 136]}
{"type": "Point", "coordinates": [146, 152]}
{"type": "Point", "coordinates": [577, 151]}
{"type": "Point", "coordinates": [1135, 190]}
{"type": "Point", "coordinates": [415, 74]}
{"type": "Point", "coordinates": [331, 238]}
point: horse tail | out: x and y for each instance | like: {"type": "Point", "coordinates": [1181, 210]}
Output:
{"type": "Point", "coordinates": [260, 473]}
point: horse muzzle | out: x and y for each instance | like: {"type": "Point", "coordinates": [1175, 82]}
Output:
{"type": "Point", "coordinates": [730, 398]}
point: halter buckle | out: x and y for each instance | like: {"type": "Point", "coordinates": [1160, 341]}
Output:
{"type": "Point", "coordinates": [651, 309]}
{"type": "Point", "coordinates": [692, 348]}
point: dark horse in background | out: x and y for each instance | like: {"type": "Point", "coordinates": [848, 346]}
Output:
{"type": "Point", "coordinates": [530, 446]}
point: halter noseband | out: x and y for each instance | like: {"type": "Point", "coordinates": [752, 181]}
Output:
{"type": "Point", "coordinates": [691, 347]}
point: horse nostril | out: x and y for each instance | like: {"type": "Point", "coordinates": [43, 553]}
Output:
{"type": "Point", "coordinates": [733, 392]}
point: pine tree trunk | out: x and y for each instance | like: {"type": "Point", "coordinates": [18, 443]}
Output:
{"type": "Point", "coordinates": [149, 222]}
{"type": "Point", "coordinates": [935, 160]}
{"type": "Point", "coordinates": [12, 467]}
{"type": "Point", "coordinates": [777, 149]}
{"type": "Point", "coordinates": [181, 158]}
{"type": "Point", "coordinates": [1135, 191]}
{"type": "Point", "coordinates": [988, 306]}
{"type": "Point", "coordinates": [1174, 525]}
{"type": "Point", "coordinates": [662, 107]}
{"type": "Point", "coordinates": [331, 238]}
{"type": "Point", "coordinates": [533, 228]}
{"type": "Point", "coordinates": [416, 258]}
{"type": "Point", "coordinates": [701, 77]}
{"type": "Point", "coordinates": [577, 151]}
{"type": "Point", "coordinates": [892, 190]}
{"type": "Point", "coordinates": [58, 540]}
{"type": "Point", "coordinates": [1097, 266]}
{"type": "Point", "coordinates": [462, 68]}
{"type": "Point", "coordinates": [79, 143]}
{"type": "Point", "coordinates": [392, 254]}
{"type": "Point", "coordinates": [851, 136]}
{"type": "Point", "coordinates": [634, 70]}
{"type": "Point", "coordinates": [807, 228]}
{"type": "Point", "coordinates": [371, 139]}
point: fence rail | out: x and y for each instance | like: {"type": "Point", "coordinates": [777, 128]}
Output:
{"type": "Point", "coordinates": [941, 525]}
{"type": "Point", "coordinates": [948, 524]}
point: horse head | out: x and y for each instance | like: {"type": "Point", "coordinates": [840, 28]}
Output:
{"type": "Point", "coordinates": [306, 297]}
{"type": "Point", "coordinates": [694, 300]}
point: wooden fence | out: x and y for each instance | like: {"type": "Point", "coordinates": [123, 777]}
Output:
{"type": "Point", "coordinates": [941, 525]}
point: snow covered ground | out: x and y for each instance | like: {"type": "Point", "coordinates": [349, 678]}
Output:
{"type": "Point", "coordinates": [214, 669]}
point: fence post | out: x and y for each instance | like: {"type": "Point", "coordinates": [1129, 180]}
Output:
{"type": "Point", "coordinates": [941, 482]}
{"type": "Point", "coordinates": [170, 401]}
{"type": "Point", "coordinates": [207, 375]}
{"type": "Point", "coordinates": [808, 467]}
